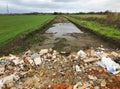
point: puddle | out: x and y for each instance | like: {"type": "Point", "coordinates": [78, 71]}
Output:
{"type": "Point", "coordinates": [63, 30]}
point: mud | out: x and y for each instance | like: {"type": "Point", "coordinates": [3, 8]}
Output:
{"type": "Point", "coordinates": [83, 40]}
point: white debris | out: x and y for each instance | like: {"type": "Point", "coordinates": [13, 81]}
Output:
{"type": "Point", "coordinates": [16, 61]}
{"type": "Point", "coordinates": [77, 68]}
{"type": "Point", "coordinates": [28, 52]}
{"type": "Point", "coordinates": [81, 53]}
{"type": "Point", "coordinates": [109, 64]}
{"type": "Point", "coordinates": [1, 84]}
{"type": "Point", "coordinates": [34, 55]}
{"type": "Point", "coordinates": [101, 54]}
{"type": "Point", "coordinates": [10, 78]}
{"type": "Point", "coordinates": [37, 61]}
{"type": "Point", "coordinates": [92, 77]}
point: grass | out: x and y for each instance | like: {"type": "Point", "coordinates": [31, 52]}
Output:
{"type": "Point", "coordinates": [99, 16]}
{"type": "Point", "coordinates": [90, 15]}
{"type": "Point", "coordinates": [105, 30]}
{"type": "Point", "coordinates": [11, 26]}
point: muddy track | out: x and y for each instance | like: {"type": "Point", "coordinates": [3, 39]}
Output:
{"type": "Point", "coordinates": [39, 39]}
{"type": "Point", "coordinates": [84, 40]}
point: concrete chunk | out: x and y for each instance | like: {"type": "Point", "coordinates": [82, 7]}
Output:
{"type": "Point", "coordinates": [43, 51]}
{"type": "Point", "coordinates": [37, 61]}
{"type": "Point", "coordinates": [91, 59]}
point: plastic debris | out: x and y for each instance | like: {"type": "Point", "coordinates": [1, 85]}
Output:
{"type": "Point", "coordinates": [77, 68]}
{"type": "Point", "coordinates": [37, 61]}
{"type": "Point", "coordinates": [16, 61]}
{"type": "Point", "coordinates": [9, 78]}
{"type": "Point", "coordinates": [81, 53]}
{"type": "Point", "coordinates": [109, 64]}
{"type": "Point", "coordinates": [1, 63]}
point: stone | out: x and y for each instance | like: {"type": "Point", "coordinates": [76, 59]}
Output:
{"type": "Point", "coordinates": [62, 86]}
{"type": "Point", "coordinates": [91, 60]}
{"type": "Point", "coordinates": [26, 60]}
{"type": "Point", "coordinates": [77, 68]}
{"type": "Point", "coordinates": [115, 54]}
{"type": "Point", "coordinates": [9, 78]}
{"type": "Point", "coordinates": [81, 54]}
{"type": "Point", "coordinates": [103, 83]}
{"type": "Point", "coordinates": [110, 80]}
{"type": "Point", "coordinates": [54, 56]}
{"type": "Point", "coordinates": [55, 69]}
{"type": "Point", "coordinates": [16, 61]}
{"type": "Point", "coordinates": [90, 52]}
{"type": "Point", "coordinates": [50, 50]}
{"type": "Point", "coordinates": [2, 69]}
{"type": "Point", "coordinates": [73, 55]}
{"type": "Point", "coordinates": [92, 77]}
{"type": "Point", "coordinates": [37, 85]}
{"type": "Point", "coordinates": [37, 61]}
{"type": "Point", "coordinates": [9, 84]}
{"type": "Point", "coordinates": [28, 52]}
{"type": "Point", "coordinates": [96, 87]}
{"type": "Point", "coordinates": [44, 51]}
{"type": "Point", "coordinates": [84, 86]}
{"type": "Point", "coordinates": [42, 74]}
{"type": "Point", "coordinates": [91, 82]}
{"type": "Point", "coordinates": [15, 88]}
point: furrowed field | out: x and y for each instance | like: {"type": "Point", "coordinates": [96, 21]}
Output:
{"type": "Point", "coordinates": [11, 26]}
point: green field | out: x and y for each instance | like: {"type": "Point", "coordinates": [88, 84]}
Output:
{"type": "Point", "coordinates": [11, 26]}
{"type": "Point", "coordinates": [103, 29]}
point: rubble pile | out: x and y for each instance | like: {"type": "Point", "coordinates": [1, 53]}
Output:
{"type": "Point", "coordinates": [49, 69]}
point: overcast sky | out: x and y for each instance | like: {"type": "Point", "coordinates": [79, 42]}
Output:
{"type": "Point", "coordinates": [25, 6]}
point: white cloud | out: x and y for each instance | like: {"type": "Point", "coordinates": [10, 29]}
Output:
{"type": "Point", "coordinates": [19, 6]}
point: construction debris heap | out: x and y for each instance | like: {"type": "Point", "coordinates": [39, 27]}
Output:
{"type": "Point", "coordinates": [89, 69]}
